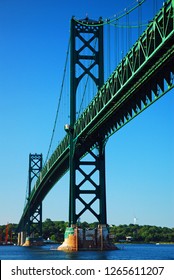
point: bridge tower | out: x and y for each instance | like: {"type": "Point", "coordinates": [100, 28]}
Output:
{"type": "Point", "coordinates": [34, 219]}
{"type": "Point", "coordinates": [90, 190]}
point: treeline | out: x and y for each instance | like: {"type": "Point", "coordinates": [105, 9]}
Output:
{"type": "Point", "coordinates": [143, 233]}
{"type": "Point", "coordinates": [54, 230]}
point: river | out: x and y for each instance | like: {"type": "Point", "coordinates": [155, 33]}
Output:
{"type": "Point", "coordinates": [126, 252]}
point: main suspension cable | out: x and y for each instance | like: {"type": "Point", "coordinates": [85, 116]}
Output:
{"type": "Point", "coordinates": [111, 21]}
{"type": "Point", "coordinates": [59, 102]}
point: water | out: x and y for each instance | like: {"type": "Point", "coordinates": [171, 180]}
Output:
{"type": "Point", "coordinates": [126, 252]}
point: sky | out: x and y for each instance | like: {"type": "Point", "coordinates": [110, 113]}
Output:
{"type": "Point", "coordinates": [34, 36]}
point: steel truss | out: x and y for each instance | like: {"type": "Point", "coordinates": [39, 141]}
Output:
{"type": "Point", "coordinates": [142, 77]}
{"type": "Point", "coordinates": [89, 190]}
{"type": "Point", "coordinates": [34, 219]}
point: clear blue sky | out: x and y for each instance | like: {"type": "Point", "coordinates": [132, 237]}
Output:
{"type": "Point", "coordinates": [139, 158]}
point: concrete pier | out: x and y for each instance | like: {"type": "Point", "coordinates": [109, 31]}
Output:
{"type": "Point", "coordinates": [31, 241]}
{"type": "Point", "coordinates": [78, 239]}
{"type": "Point", "coordinates": [21, 238]}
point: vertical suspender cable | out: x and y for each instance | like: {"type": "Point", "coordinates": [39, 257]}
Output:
{"type": "Point", "coordinates": [154, 7]}
{"type": "Point", "coordinates": [128, 31]}
{"type": "Point", "coordinates": [139, 19]}
{"type": "Point", "coordinates": [116, 43]}
{"type": "Point", "coordinates": [109, 50]}
{"type": "Point", "coordinates": [122, 40]}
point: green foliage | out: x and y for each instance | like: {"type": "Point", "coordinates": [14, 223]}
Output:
{"type": "Point", "coordinates": [54, 230]}
{"type": "Point", "coordinates": [144, 233]}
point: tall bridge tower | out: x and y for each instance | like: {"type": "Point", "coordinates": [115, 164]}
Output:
{"type": "Point", "coordinates": [89, 192]}
{"type": "Point", "coordinates": [33, 221]}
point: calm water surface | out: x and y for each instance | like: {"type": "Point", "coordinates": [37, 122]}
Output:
{"type": "Point", "coordinates": [126, 252]}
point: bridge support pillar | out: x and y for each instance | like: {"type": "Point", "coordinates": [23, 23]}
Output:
{"type": "Point", "coordinates": [78, 239]}
{"type": "Point", "coordinates": [27, 242]}
{"type": "Point", "coordinates": [32, 241]}
{"type": "Point", "coordinates": [21, 238]}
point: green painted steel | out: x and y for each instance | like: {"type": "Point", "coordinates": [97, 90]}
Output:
{"type": "Point", "coordinates": [69, 231]}
{"type": "Point", "coordinates": [144, 75]}
{"type": "Point", "coordinates": [78, 57]}
{"type": "Point", "coordinates": [137, 81]}
{"type": "Point", "coordinates": [34, 218]}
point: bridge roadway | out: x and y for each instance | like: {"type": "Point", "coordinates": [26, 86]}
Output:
{"type": "Point", "coordinates": [144, 75]}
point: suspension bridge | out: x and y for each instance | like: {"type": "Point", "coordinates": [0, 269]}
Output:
{"type": "Point", "coordinates": [143, 76]}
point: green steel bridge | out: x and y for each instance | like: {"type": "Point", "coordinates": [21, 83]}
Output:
{"type": "Point", "coordinates": [143, 76]}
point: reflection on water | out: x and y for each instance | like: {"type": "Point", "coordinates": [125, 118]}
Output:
{"type": "Point", "coordinates": [126, 252]}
